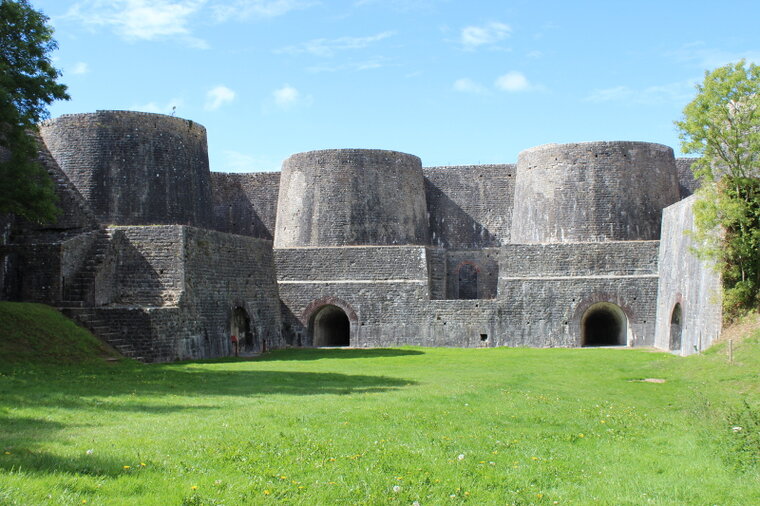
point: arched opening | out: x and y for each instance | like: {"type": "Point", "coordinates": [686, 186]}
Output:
{"type": "Point", "coordinates": [468, 282]}
{"type": "Point", "coordinates": [675, 328]}
{"type": "Point", "coordinates": [604, 324]}
{"type": "Point", "coordinates": [330, 327]}
{"type": "Point", "coordinates": [240, 326]}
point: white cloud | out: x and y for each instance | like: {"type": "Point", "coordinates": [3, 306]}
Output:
{"type": "Point", "coordinates": [242, 9]}
{"type": "Point", "coordinates": [218, 96]}
{"type": "Point", "coordinates": [169, 107]}
{"type": "Point", "coordinates": [142, 19]}
{"type": "Point", "coordinates": [467, 85]}
{"type": "Point", "coordinates": [328, 47]}
{"type": "Point", "coordinates": [513, 82]}
{"type": "Point", "coordinates": [287, 96]}
{"type": "Point", "coordinates": [80, 68]}
{"type": "Point", "coordinates": [678, 92]}
{"type": "Point", "coordinates": [491, 33]}
{"type": "Point", "coordinates": [706, 58]}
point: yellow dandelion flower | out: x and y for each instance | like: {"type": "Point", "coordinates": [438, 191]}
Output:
{"type": "Point", "coordinates": [581, 435]}
{"type": "Point", "coordinates": [126, 467]}
{"type": "Point", "coordinates": [283, 477]}
{"type": "Point", "coordinates": [534, 458]}
{"type": "Point", "coordinates": [142, 464]}
{"type": "Point", "coordinates": [194, 487]}
{"type": "Point", "coordinates": [603, 421]}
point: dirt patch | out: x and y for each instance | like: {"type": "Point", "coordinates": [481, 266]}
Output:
{"type": "Point", "coordinates": [650, 380]}
{"type": "Point", "coordinates": [745, 327]}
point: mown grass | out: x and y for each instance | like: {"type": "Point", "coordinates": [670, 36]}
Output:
{"type": "Point", "coordinates": [386, 426]}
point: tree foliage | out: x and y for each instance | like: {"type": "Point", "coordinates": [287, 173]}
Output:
{"type": "Point", "coordinates": [27, 86]}
{"type": "Point", "coordinates": [722, 125]}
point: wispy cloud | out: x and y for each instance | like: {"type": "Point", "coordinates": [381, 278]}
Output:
{"type": "Point", "coordinates": [169, 107]}
{"type": "Point", "coordinates": [707, 58]}
{"type": "Point", "coordinates": [467, 85]}
{"type": "Point", "coordinates": [371, 64]}
{"type": "Point", "coordinates": [328, 47]}
{"type": "Point", "coordinates": [472, 37]}
{"type": "Point", "coordinates": [142, 19]}
{"type": "Point", "coordinates": [151, 20]}
{"type": "Point", "coordinates": [288, 97]}
{"type": "Point", "coordinates": [218, 96]}
{"type": "Point", "coordinates": [514, 81]}
{"type": "Point", "coordinates": [677, 92]}
{"type": "Point", "coordinates": [243, 9]}
{"type": "Point", "coordinates": [80, 68]}
{"type": "Point", "coordinates": [399, 5]}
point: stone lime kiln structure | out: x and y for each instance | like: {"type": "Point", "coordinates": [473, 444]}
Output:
{"type": "Point", "coordinates": [575, 245]}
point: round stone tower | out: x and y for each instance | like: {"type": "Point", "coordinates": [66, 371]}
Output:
{"type": "Point", "coordinates": [592, 191]}
{"type": "Point", "coordinates": [135, 168]}
{"type": "Point", "coordinates": [349, 197]}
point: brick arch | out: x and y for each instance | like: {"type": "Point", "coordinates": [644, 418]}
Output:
{"type": "Point", "coordinates": [596, 298]}
{"type": "Point", "coordinates": [317, 304]}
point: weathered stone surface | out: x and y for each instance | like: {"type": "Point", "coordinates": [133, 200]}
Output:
{"type": "Point", "coordinates": [687, 282]}
{"type": "Point", "coordinates": [135, 168]}
{"type": "Point", "coordinates": [470, 206]}
{"type": "Point", "coordinates": [246, 204]}
{"type": "Point", "coordinates": [560, 250]}
{"type": "Point", "coordinates": [349, 197]}
{"type": "Point", "coordinates": [593, 191]}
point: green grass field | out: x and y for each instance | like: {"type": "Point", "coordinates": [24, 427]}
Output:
{"type": "Point", "coordinates": [383, 426]}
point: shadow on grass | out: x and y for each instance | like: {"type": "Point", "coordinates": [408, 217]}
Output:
{"type": "Point", "coordinates": [134, 387]}
{"type": "Point", "coordinates": [331, 353]}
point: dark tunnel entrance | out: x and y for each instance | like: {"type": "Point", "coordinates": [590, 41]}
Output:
{"type": "Point", "coordinates": [604, 324]}
{"type": "Point", "coordinates": [331, 327]}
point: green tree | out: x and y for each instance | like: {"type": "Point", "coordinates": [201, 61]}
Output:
{"type": "Point", "coordinates": [722, 126]}
{"type": "Point", "coordinates": [27, 86]}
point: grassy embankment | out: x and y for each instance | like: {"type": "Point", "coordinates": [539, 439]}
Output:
{"type": "Point", "coordinates": [437, 426]}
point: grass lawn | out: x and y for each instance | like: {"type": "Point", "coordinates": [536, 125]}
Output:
{"type": "Point", "coordinates": [383, 426]}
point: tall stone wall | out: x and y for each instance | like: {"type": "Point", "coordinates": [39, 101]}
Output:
{"type": "Point", "coordinates": [135, 168]}
{"type": "Point", "coordinates": [351, 197]}
{"type": "Point", "coordinates": [149, 265]}
{"type": "Point", "coordinates": [246, 204]}
{"type": "Point", "coordinates": [593, 191]}
{"type": "Point", "coordinates": [687, 183]}
{"type": "Point", "coordinates": [549, 287]}
{"type": "Point", "coordinates": [470, 206]}
{"type": "Point", "coordinates": [224, 272]}
{"type": "Point", "coordinates": [168, 292]}
{"type": "Point", "coordinates": [688, 282]}
{"type": "Point", "coordinates": [379, 285]}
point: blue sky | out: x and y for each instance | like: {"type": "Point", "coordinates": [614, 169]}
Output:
{"type": "Point", "coordinates": [453, 82]}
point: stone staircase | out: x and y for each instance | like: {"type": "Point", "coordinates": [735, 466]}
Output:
{"type": "Point", "coordinates": [80, 291]}
{"type": "Point", "coordinates": [97, 323]}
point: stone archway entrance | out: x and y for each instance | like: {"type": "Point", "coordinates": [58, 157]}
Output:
{"type": "Point", "coordinates": [604, 324]}
{"type": "Point", "coordinates": [675, 328]}
{"type": "Point", "coordinates": [330, 326]}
